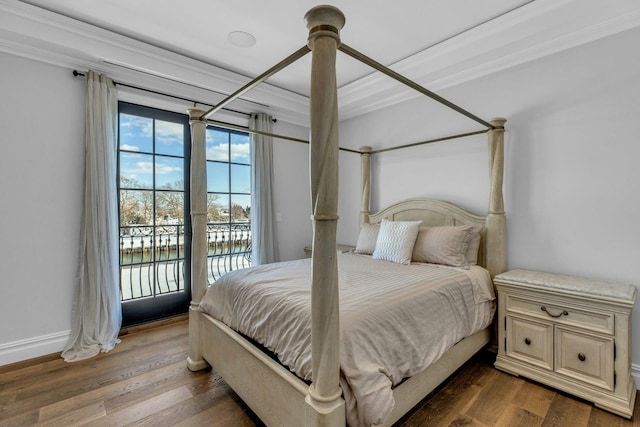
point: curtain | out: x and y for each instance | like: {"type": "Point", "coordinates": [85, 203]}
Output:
{"type": "Point", "coordinates": [97, 310]}
{"type": "Point", "coordinates": [264, 243]}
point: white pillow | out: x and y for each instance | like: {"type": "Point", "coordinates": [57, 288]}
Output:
{"type": "Point", "coordinates": [367, 239]}
{"type": "Point", "coordinates": [395, 241]}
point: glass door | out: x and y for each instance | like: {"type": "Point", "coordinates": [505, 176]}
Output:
{"type": "Point", "coordinates": [153, 191]}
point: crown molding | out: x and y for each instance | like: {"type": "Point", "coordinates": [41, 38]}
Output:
{"type": "Point", "coordinates": [39, 34]}
{"type": "Point", "coordinates": [535, 30]}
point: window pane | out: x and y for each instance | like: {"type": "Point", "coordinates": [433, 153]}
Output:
{"type": "Point", "coordinates": [136, 170]}
{"type": "Point", "coordinates": [240, 149]}
{"type": "Point", "coordinates": [136, 133]}
{"type": "Point", "coordinates": [166, 242]}
{"type": "Point", "coordinates": [169, 173]}
{"type": "Point", "coordinates": [240, 208]}
{"type": "Point", "coordinates": [217, 142]}
{"type": "Point", "coordinates": [168, 266]}
{"type": "Point", "coordinates": [169, 138]}
{"type": "Point", "coordinates": [136, 244]}
{"type": "Point", "coordinates": [217, 177]}
{"type": "Point", "coordinates": [216, 204]}
{"type": "Point", "coordinates": [136, 207]}
{"type": "Point", "coordinates": [217, 207]}
{"type": "Point", "coordinates": [240, 179]}
{"type": "Point", "coordinates": [169, 207]}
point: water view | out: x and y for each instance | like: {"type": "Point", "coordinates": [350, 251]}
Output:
{"type": "Point", "coordinates": [153, 263]}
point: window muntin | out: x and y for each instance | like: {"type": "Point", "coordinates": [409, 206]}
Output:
{"type": "Point", "coordinates": [152, 170]}
{"type": "Point", "coordinates": [154, 209]}
{"type": "Point", "coordinates": [228, 200]}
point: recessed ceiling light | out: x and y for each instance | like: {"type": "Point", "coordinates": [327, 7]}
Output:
{"type": "Point", "coordinates": [241, 39]}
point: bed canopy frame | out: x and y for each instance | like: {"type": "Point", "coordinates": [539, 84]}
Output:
{"type": "Point", "coordinates": [282, 398]}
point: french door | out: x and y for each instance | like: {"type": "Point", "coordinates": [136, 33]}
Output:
{"type": "Point", "coordinates": [153, 192]}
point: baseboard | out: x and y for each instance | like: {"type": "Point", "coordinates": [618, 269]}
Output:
{"type": "Point", "coordinates": [18, 351]}
{"type": "Point", "coordinates": [635, 373]}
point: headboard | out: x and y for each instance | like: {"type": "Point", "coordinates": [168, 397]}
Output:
{"type": "Point", "coordinates": [493, 246]}
{"type": "Point", "coordinates": [434, 213]}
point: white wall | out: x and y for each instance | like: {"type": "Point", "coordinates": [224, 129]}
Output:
{"type": "Point", "coordinates": [572, 183]}
{"type": "Point", "coordinates": [292, 199]}
{"type": "Point", "coordinates": [41, 177]}
{"type": "Point", "coordinates": [41, 169]}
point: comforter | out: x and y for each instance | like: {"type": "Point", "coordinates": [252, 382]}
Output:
{"type": "Point", "coordinates": [395, 320]}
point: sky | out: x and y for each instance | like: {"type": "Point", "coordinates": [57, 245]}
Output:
{"type": "Point", "coordinates": [136, 136]}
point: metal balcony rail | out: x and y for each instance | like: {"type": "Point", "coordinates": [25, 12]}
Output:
{"type": "Point", "coordinates": [152, 258]}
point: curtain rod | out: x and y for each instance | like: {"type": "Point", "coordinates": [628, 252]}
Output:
{"type": "Point", "coordinates": [297, 54]}
{"type": "Point", "coordinates": [77, 73]}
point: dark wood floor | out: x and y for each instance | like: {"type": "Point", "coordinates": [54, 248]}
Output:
{"type": "Point", "coordinates": [144, 381]}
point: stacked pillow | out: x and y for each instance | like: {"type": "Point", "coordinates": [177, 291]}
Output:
{"type": "Point", "coordinates": [405, 241]}
{"type": "Point", "coordinates": [366, 243]}
{"type": "Point", "coordinates": [395, 241]}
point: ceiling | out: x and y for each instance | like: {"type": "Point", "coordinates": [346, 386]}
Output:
{"type": "Point", "coordinates": [385, 30]}
{"type": "Point", "coordinates": [181, 48]}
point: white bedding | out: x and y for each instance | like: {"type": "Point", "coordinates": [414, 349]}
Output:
{"type": "Point", "coordinates": [395, 320]}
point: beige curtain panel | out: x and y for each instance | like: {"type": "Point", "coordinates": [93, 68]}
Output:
{"type": "Point", "coordinates": [97, 310]}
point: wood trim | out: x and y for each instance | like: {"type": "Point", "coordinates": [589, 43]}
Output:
{"type": "Point", "coordinates": [152, 325]}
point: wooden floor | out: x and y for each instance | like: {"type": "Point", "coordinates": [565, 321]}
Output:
{"type": "Point", "coordinates": [144, 381]}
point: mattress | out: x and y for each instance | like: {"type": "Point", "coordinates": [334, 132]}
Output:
{"type": "Point", "coordinates": [395, 320]}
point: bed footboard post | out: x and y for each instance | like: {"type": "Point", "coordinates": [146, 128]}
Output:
{"type": "Point", "coordinates": [365, 183]}
{"type": "Point", "coordinates": [325, 406]}
{"type": "Point", "coordinates": [496, 220]}
{"type": "Point", "coordinates": [199, 248]}
{"type": "Point", "coordinates": [195, 362]}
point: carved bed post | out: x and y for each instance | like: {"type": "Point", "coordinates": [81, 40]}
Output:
{"type": "Point", "coordinates": [365, 183]}
{"type": "Point", "coordinates": [199, 249]}
{"type": "Point", "coordinates": [324, 398]}
{"type": "Point", "coordinates": [496, 220]}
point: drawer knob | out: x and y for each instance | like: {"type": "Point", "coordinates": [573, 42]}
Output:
{"type": "Point", "coordinates": [564, 312]}
{"type": "Point", "coordinates": [527, 341]}
{"type": "Point", "coordinates": [582, 357]}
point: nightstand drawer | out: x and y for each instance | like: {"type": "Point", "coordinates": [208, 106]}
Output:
{"type": "Point", "coordinates": [564, 331]}
{"type": "Point", "coordinates": [530, 341]}
{"type": "Point", "coordinates": [562, 314]}
{"type": "Point", "coordinates": [585, 357]}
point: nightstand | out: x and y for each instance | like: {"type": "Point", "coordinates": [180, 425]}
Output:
{"type": "Point", "coordinates": [570, 333]}
{"type": "Point", "coordinates": [339, 248]}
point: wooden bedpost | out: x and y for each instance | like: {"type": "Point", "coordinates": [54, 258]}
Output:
{"type": "Point", "coordinates": [199, 249]}
{"type": "Point", "coordinates": [326, 406]}
{"type": "Point", "coordinates": [496, 220]}
{"type": "Point", "coordinates": [365, 183]}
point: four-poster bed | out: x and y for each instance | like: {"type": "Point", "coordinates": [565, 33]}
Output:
{"type": "Point", "coordinates": [272, 391]}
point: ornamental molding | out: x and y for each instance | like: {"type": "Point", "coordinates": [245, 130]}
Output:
{"type": "Point", "coordinates": [533, 31]}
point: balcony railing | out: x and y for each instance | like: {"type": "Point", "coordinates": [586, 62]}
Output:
{"type": "Point", "coordinates": [152, 257]}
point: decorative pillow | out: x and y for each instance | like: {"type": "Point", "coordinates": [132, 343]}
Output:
{"type": "Point", "coordinates": [444, 245]}
{"type": "Point", "coordinates": [367, 239]}
{"type": "Point", "coordinates": [395, 241]}
{"type": "Point", "coordinates": [472, 251]}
